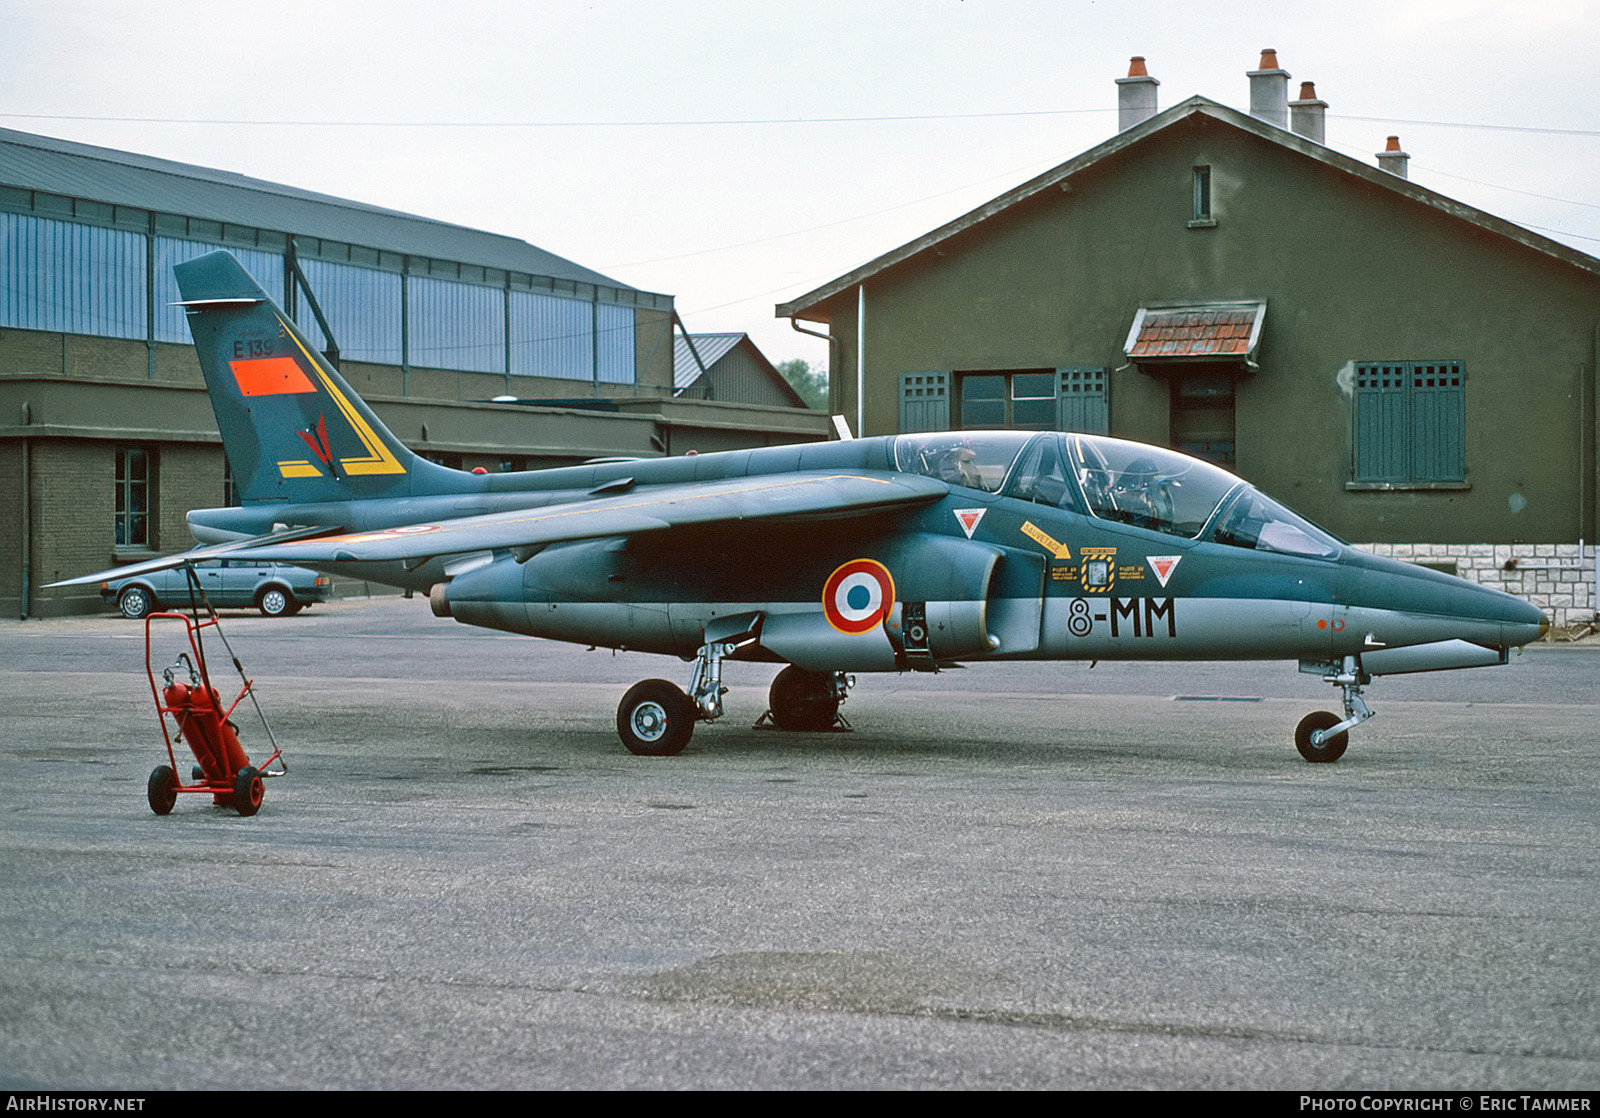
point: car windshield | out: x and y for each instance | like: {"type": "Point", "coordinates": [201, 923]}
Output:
{"type": "Point", "coordinates": [975, 459]}
{"type": "Point", "coordinates": [1146, 485]}
{"type": "Point", "coordinates": [1258, 522]}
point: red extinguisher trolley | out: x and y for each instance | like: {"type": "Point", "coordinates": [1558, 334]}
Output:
{"type": "Point", "coordinates": [191, 711]}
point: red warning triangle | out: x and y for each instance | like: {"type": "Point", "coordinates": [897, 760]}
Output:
{"type": "Point", "coordinates": [969, 519]}
{"type": "Point", "coordinates": [1163, 566]}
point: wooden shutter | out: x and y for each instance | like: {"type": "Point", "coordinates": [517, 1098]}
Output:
{"type": "Point", "coordinates": [1383, 422]}
{"type": "Point", "coordinates": [1438, 421]}
{"type": "Point", "coordinates": [924, 402]}
{"type": "Point", "coordinates": [1081, 401]}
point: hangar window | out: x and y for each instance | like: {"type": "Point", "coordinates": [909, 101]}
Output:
{"type": "Point", "coordinates": [134, 525]}
{"type": "Point", "coordinates": [1410, 423]}
{"type": "Point", "coordinates": [1033, 400]}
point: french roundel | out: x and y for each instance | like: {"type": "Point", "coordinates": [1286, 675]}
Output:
{"type": "Point", "coordinates": [858, 596]}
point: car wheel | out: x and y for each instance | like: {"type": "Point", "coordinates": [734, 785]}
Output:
{"type": "Point", "coordinates": [273, 602]}
{"type": "Point", "coordinates": [135, 602]}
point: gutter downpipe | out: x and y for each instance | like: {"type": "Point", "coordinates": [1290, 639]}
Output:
{"type": "Point", "coordinates": [832, 341]}
{"type": "Point", "coordinates": [861, 360]}
{"type": "Point", "coordinates": [27, 523]}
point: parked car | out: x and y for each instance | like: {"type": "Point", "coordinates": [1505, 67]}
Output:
{"type": "Point", "coordinates": [276, 589]}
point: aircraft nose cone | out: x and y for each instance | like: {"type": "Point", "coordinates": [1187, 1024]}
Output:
{"type": "Point", "coordinates": [1544, 624]}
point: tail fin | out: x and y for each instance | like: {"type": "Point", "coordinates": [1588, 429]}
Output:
{"type": "Point", "coordinates": [292, 428]}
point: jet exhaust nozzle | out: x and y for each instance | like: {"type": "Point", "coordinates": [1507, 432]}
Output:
{"type": "Point", "coordinates": [439, 599]}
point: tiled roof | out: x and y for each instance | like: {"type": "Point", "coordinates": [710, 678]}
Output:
{"type": "Point", "coordinates": [1226, 330]}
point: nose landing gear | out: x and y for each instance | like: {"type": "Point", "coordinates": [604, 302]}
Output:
{"type": "Point", "coordinates": [1322, 736]}
{"type": "Point", "coordinates": [656, 719]}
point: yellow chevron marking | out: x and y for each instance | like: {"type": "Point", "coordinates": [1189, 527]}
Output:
{"type": "Point", "coordinates": [378, 459]}
{"type": "Point", "coordinates": [1039, 536]}
{"type": "Point", "coordinates": [298, 469]}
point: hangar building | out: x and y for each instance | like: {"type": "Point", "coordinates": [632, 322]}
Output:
{"type": "Point", "coordinates": [478, 350]}
{"type": "Point", "coordinates": [1409, 371]}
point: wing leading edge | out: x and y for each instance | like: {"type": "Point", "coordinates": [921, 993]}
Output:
{"type": "Point", "coordinates": [810, 495]}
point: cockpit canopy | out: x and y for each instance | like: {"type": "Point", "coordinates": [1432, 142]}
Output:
{"type": "Point", "coordinates": [1111, 479]}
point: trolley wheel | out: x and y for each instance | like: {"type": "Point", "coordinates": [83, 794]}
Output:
{"type": "Point", "coordinates": [248, 791]}
{"type": "Point", "coordinates": [162, 789]}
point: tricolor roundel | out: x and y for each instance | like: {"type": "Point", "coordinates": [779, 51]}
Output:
{"type": "Point", "coordinates": [858, 596]}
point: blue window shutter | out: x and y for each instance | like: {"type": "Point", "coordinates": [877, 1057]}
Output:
{"type": "Point", "coordinates": [1438, 421]}
{"type": "Point", "coordinates": [1383, 422]}
{"type": "Point", "coordinates": [1081, 401]}
{"type": "Point", "coordinates": [1410, 421]}
{"type": "Point", "coordinates": [924, 402]}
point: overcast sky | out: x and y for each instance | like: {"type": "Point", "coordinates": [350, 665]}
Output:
{"type": "Point", "coordinates": [739, 154]}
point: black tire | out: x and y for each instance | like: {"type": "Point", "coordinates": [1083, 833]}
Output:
{"type": "Point", "coordinates": [135, 602]}
{"type": "Point", "coordinates": [248, 791]}
{"type": "Point", "coordinates": [1330, 750]}
{"type": "Point", "coordinates": [162, 789]}
{"type": "Point", "coordinates": [275, 601]}
{"type": "Point", "coordinates": [802, 700]}
{"type": "Point", "coordinates": [655, 719]}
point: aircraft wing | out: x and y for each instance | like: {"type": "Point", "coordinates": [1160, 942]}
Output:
{"type": "Point", "coordinates": [194, 555]}
{"type": "Point", "coordinates": [810, 495]}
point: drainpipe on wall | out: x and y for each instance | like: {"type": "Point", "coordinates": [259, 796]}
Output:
{"type": "Point", "coordinates": [27, 520]}
{"type": "Point", "coordinates": [861, 360]}
{"type": "Point", "coordinates": [832, 353]}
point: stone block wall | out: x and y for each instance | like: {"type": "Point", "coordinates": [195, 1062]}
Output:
{"type": "Point", "coordinates": [1559, 578]}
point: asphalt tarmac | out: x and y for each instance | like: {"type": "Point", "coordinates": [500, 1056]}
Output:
{"type": "Point", "coordinates": [1013, 876]}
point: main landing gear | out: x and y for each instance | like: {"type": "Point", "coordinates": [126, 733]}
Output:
{"type": "Point", "coordinates": [1322, 736]}
{"type": "Point", "coordinates": [656, 719]}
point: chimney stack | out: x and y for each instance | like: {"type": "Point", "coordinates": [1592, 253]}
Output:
{"type": "Point", "coordinates": [1392, 159]}
{"type": "Point", "coordinates": [1306, 115]}
{"type": "Point", "coordinates": [1136, 95]}
{"type": "Point", "coordinates": [1269, 90]}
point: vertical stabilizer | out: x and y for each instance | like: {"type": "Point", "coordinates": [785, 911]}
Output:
{"type": "Point", "coordinates": [294, 431]}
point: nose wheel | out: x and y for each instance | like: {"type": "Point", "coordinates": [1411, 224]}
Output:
{"type": "Point", "coordinates": [1322, 736]}
{"type": "Point", "coordinates": [1314, 741]}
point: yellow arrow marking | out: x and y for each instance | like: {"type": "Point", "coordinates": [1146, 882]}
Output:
{"type": "Point", "coordinates": [1039, 536]}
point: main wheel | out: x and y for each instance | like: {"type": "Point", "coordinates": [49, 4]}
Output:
{"type": "Point", "coordinates": [274, 602]}
{"type": "Point", "coordinates": [162, 789]}
{"type": "Point", "coordinates": [248, 791]}
{"type": "Point", "coordinates": [1331, 749]}
{"type": "Point", "coordinates": [135, 602]}
{"type": "Point", "coordinates": [655, 719]}
{"type": "Point", "coordinates": [802, 700]}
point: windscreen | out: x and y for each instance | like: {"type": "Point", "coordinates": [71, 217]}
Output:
{"type": "Point", "coordinates": [975, 459]}
{"type": "Point", "coordinates": [1258, 522]}
{"type": "Point", "coordinates": [1147, 486]}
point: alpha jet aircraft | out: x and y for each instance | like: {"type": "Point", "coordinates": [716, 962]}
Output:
{"type": "Point", "coordinates": [909, 552]}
